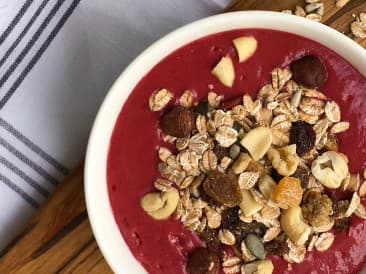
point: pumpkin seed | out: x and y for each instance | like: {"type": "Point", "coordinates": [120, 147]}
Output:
{"type": "Point", "coordinates": [255, 246]}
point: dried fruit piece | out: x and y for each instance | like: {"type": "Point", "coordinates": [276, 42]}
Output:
{"type": "Point", "coordinates": [317, 208]}
{"type": "Point", "coordinates": [245, 47]}
{"type": "Point", "coordinates": [309, 71]}
{"type": "Point", "coordinates": [293, 224]}
{"type": "Point", "coordinates": [303, 135]}
{"type": "Point", "coordinates": [249, 205]}
{"type": "Point", "coordinates": [160, 205]}
{"type": "Point", "coordinates": [284, 159]}
{"type": "Point", "coordinates": [330, 169]}
{"type": "Point", "coordinates": [201, 108]}
{"type": "Point", "coordinates": [288, 192]}
{"type": "Point", "coordinates": [277, 246]}
{"type": "Point", "coordinates": [159, 99]}
{"type": "Point", "coordinates": [222, 189]}
{"type": "Point", "coordinates": [224, 71]}
{"type": "Point", "coordinates": [257, 142]}
{"type": "Point", "coordinates": [203, 261]}
{"type": "Point", "coordinates": [178, 122]}
{"type": "Point", "coordinates": [255, 246]}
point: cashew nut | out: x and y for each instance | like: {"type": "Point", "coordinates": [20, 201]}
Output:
{"type": "Point", "coordinates": [293, 224]}
{"type": "Point", "coordinates": [249, 205]}
{"type": "Point", "coordinates": [330, 169]}
{"type": "Point", "coordinates": [257, 142]}
{"type": "Point", "coordinates": [266, 186]}
{"type": "Point", "coordinates": [260, 267]}
{"type": "Point", "coordinates": [224, 71]}
{"type": "Point", "coordinates": [160, 205]}
{"type": "Point", "coordinates": [284, 159]}
{"type": "Point", "coordinates": [241, 163]}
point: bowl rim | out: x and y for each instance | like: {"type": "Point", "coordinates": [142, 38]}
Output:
{"type": "Point", "coordinates": [104, 227]}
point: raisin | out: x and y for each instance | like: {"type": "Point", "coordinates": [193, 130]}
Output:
{"type": "Point", "coordinates": [210, 236]}
{"type": "Point", "coordinates": [309, 71]}
{"type": "Point", "coordinates": [178, 122]}
{"type": "Point", "coordinates": [277, 247]}
{"type": "Point", "coordinates": [201, 108]}
{"type": "Point", "coordinates": [303, 135]}
{"type": "Point", "coordinates": [303, 174]}
{"type": "Point", "coordinates": [342, 225]}
{"type": "Point", "coordinates": [203, 261]}
{"type": "Point", "coordinates": [223, 189]}
{"type": "Point", "coordinates": [220, 152]}
{"type": "Point", "coordinates": [275, 175]}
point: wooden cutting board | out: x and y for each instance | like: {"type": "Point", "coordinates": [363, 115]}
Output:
{"type": "Point", "coordinates": [58, 238]}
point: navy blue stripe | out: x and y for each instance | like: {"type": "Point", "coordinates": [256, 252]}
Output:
{"type": "Point", "coordinates": [39, 53]}
{"type": "Point", "coordinates": [19, 191]}
{"type": "Point", "coordinates": [15, 21]}
{"type": "Point", "coordinates": [29, 162]}
{"type": "Point", "coordinates": [23, 33]}
{"type": "Point", "coordinates": [31, 42]}
{"type": "Point", "coordinates": [44, 192]}
{"type": "Point", "coordinates": [36, 149]}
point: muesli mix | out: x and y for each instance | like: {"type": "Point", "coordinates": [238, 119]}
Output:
{"type": "Point", "coordinates": [254, 174]}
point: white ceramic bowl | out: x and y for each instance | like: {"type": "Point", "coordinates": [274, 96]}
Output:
{"type": "Point", "coordinates": [100, 213]}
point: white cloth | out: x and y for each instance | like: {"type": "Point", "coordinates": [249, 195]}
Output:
{"type": "Point", "coordinates": [57, 60]}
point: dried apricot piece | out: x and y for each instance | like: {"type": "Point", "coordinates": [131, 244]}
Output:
{"type": "Point", "coordinates": [288, 192]}
{"type": "Point", "coordinates": [223, 189]}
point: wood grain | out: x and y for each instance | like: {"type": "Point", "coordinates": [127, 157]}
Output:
{"type": "Point", "coordinates": [58, 238]}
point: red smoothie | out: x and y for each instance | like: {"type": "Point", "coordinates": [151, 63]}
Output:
{"type": "Point", "coordinates": [162, 246]}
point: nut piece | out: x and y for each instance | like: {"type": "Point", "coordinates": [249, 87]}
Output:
{"type": "Point", "coordinates": [224, 71]}
{"type": "Point", "coordinates": [259, 267]}
{"type": "Point", "coordinates": [159, 99]}
{"type": "Point", "coordinates": [178, 122]}
{"type": "Point", "coordinates": [249, 205]}
{"type": "Point", "coordinates": [324, 241]}
{"type": "Point", "coordinates": [293, 224]}
{"type": "Point", "coordinates": [241, 163]}
{"type": "Point", "coordinates": [160, 205]}
{"type": "Point", "coordinates": [284, 159]}
{"type": "Point", "coordinates": [222, 189]}
{"type": "Point", "coordinates": [266, 186]}
{"type": "Point", "coordinates": [245, 47]}
{"type": "Point", "coordinates": [257, 142]}
{"type": "Point", "coordinates": [330, 169]}
{"type": "Point", "coordinates": [317, 208]}
{"type": "Point", "coordinates": [203, 261]}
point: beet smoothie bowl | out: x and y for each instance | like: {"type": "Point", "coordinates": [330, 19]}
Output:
{"type": "Point", "coordinates": [235, 144]}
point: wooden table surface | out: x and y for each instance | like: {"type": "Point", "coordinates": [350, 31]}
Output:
{"type": "Point", "coordinates": [58, 238]}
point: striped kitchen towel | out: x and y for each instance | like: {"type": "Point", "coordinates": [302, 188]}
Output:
{"type": "Point", "coordinates": [57, 60]}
